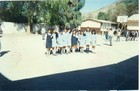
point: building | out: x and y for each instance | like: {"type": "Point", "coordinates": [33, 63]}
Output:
{"type": "Point", "coordinates": [133, 22]}
{"type": "Point", "coordinates": [100, 26]}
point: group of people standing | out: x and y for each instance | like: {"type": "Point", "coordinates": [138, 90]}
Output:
{"type": "Point", "coordinates": [131, 35]}
{"type": "Point", "coordinates": [69, 41]}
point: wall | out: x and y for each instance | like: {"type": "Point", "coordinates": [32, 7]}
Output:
{"type": "Point", "coordinates": [90, 23]}
{"type": "Point", "coordinates": [10, 27]}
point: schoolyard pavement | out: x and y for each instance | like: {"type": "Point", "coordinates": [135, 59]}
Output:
{"type": "Point", "coordinates": [23, 56]}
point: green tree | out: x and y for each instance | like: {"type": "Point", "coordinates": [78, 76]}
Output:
{"type": "Point", "coordinates": [102, 16]}
{"type": "Point", "coordinates": [65, 13]}
{"type": "Point", "coordinates": [132, 6]}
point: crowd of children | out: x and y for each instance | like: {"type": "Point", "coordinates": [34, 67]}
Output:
{"type": "Point", "coordinates": [69, 41]}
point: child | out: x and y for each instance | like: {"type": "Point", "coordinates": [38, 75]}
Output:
{"type": "Point", "coordinates": [88, 40]}
{"type": "Point", "coordinates": [74, 40]}
{"type": "Point", "coordinates": [65, 39]}
{"type": "Point", "coordinates": [82, 41]}
{"type": "Point", "coordinates": [93, 40]}
{"type": "Point", "coordinates": [54, 44]}
{"type": "Point", "coordinates": [69, 35]}
{"type": "Point", "coordinates": [49, 42]}
{"type": "Point", "coordinates": [60, 42]}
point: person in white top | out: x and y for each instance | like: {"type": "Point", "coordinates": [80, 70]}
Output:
{"type": "Point", "coordinates": [110, 33]}
{"type": "Point", "coordinates": [88, 39]}
{"type": "Point", "coordinates": [54, 42]}
{"type": "Point", "coordinates": [65, 39]}
{"type": "Point", "coordinates": [43, 32]}
{"type": "Point", "coordinates": [69, 35]}
{"type": "Point", "coordinates": [118, 34]}
{"type": "Point", "coordinates": [60, 41]}
{"type": "Point", "coordinates": [93, 40]}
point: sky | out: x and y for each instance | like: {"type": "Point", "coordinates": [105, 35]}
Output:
{"type": "Point", "coordinates": [92, 5]}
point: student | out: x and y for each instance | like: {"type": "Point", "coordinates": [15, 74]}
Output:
{"type": "Point", "coordinates": [93, 40]}
{"type": "Point", "coordinates": [49, 42]}
{"type": "Point", "coordinates": [74, 41]}
{"type": "Point", "coordinates": [88, 40]}
{"type": "Point", "coordinates": [1, 32]}
{"type": "Point", "coordinates": [78, 34]}
{"type": "Point", "coordinates": [60, 42]}
{"type": "Point", "coordinates": [69, 35]}
{"type": "Point", "coordinates": [82, 41]}
{"type": "Point", "coordinates": [54, 44]}
{"type": "Point", "coordinates": [65, 39]}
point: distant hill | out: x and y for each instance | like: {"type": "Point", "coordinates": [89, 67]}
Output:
{"type": "Point", "coordinates": [94, 14]}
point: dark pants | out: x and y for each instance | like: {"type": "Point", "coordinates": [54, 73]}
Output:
{"type": "Point", "coordinates": [126, 38]}
{"type": "Point", "coordinates": [118, 38]}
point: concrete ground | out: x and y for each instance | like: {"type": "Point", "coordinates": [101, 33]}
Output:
{"type": "Point", "coordinates": [23, 61]}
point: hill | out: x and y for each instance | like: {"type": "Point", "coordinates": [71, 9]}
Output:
{"type": "Point", "coordinates": [94, 14]}
{"type": "Point", "coordinates": [110, 12]}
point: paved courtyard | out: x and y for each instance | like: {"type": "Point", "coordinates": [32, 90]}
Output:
{"type": "Point", "coordinates": [23, 58]}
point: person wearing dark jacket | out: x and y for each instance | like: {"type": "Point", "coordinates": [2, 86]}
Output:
{"type": "Point", "coordinates": [49, 42]}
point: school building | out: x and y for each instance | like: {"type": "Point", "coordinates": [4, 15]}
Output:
{"type": "Point", "coordinates": [133, 22]}
{"type": "Point", "coordinates": [100, 26]}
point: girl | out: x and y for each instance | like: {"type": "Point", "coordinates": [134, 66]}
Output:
{"type": "Point", "coordinates": [69, 35]}
{"type": "Point", "coordinates": [74, 40]}
{"type": "Point", "coordinates": [88, 40]}
{"type": "Point", "coordinates": [65, 39]}
{"type": "Point", "coordinates": [49, 42]}
{"type": "Point", "coordinates": [60, 42]}
{"type": "Point", "coordinates": [82, 41]}
{"type": "Point", "coordinates": [93, 40]}
{"type": "Point", "coordinates": [78, 44]}
{"type": "Point", "coordinates": [54, 44]}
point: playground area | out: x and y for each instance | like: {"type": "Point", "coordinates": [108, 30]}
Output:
{"type": "Point", "coordinates": [23, 56]}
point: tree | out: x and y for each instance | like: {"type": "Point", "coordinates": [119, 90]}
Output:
{"type": "Point", "coordinates": [9, 12]}
{"type": "Point", "coordinates": [29, 10]}
{"type": "Point", "coordinates": [64, 13]}
{"type": "Point", "coordinates": [132, 6]}
{"type": "Point", "coordinates": [102, 16]}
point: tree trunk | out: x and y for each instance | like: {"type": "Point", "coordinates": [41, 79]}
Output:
{"type": "Point", "coordinates": [29, 28]}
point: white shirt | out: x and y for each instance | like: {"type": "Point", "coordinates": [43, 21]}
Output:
{"type": "Point", "coordinates": [110, 33]}
{"type": "Point", "coordinates": [43, 30]}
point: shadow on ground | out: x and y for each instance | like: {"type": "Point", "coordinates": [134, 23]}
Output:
{"type": "Point", "coordinates": [3, 53]}
{"type": "Point", "coordinates": [123, 75]}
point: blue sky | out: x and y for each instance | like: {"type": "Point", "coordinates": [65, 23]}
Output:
{"type": "Point", "coordinates": [92, 5]}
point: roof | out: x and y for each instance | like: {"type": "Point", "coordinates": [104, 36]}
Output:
{"type": "Point", "coordinates": [134, 17]}
{"type": "Point", "coordinates": [101, 21]}
{"type": "Point", "coordinates": [133, 27]}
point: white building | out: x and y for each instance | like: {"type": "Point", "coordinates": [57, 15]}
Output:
{"type": "Point", "coordinates": [100, 26]}
{"type": "Point", "coordinates": [133, 22]}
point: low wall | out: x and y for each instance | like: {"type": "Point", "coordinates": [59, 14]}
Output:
{"type": "Point", "coordinates": [10, 27]}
